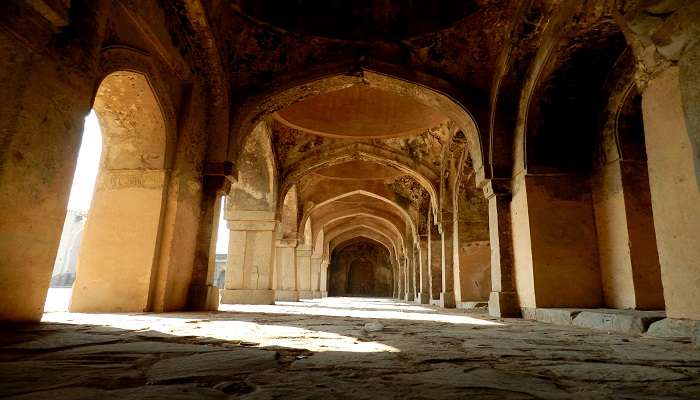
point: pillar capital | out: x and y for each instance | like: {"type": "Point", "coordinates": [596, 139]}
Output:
{"type": "Point", "coordinates": [286, 242]}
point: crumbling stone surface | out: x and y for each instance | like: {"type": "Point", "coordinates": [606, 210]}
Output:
{"type": "Point", "coordinates": [625, 321]}
{"type": "Point", "coordinates": [321, 349]}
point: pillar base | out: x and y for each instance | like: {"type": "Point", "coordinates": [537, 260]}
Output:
{"type": "Point", "coordinates": [203, 298]}
{"type": "Point", "coordinates": [447, 300]}
{"type": "Point", "coordinates": [504, 305]}
{"type": "Point", "coordinates": [306, 294]}
{"type": "Point", "coordinates": [248, 296]}
{"type": "Point", "coordinates": [324, 294]}
{"type": "Point", "coordinates": [286, 295]}
{"type": "Point", "coordinates": [409, 297]}
{"type": "Point", "coordinates": [317, 294]}
{"type": "Point", "coordinates": [423, 298]}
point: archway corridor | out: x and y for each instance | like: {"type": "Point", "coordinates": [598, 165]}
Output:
{"type": "Point", "coordinates": [365, 199]}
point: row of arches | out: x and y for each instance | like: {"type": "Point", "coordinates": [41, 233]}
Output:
{"type": "Point", "coordinates": [534, 194]}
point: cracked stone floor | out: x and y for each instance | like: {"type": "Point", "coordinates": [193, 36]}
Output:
{"type": "Point", "coordinates": [319, 349]}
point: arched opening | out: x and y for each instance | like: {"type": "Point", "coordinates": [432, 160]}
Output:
{"type": "Point", "coordinates": [360, 267]}
{"type": "Point", "coordinates": [81, 192]}
{"type": "Point", "coordinates": [629, 259]}
{"type": "Point", "coordinates": [118, 256]}
{"type": "Point", "coordinates": [286, 244]}
{"type": "Point", "coordinates": [251, 219]}
{"type": "Point", "coordinates": [471, 241]}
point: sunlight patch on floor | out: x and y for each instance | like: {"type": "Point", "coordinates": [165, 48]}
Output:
{"type": "Point", "coordinates": [255, 334]}
{"type": "Point", "coordinates": [353, 307]}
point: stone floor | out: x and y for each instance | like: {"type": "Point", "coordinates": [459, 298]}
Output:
{"type": "Point", "coordinates": [327, 349]}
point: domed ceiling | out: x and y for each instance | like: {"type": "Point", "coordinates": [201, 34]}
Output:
{"type": "Point", "coordinates": [358, 169]}
{"type": "Point", "coordinates": [360, 112]}
{"type": "Point", "coordinates": [359, 19]}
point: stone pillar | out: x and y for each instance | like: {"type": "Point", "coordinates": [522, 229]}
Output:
{"type": "Point", "coordinates": [286, 270]}
{"type": "Point", "coordinates": [435, 258]}
{"type": "Point", "coordinates": [316, 277]}
{"type": "Point", "coordinates": [304, 273]}
{"type": "Point", "coordinates": [671, 105]}
{"type": "Point", "coordinates": [447, 294]}
{"type": "Point", "coordinates": [424, 274]}
{"type": "Point", "coordinates": [323, 278]}
{"type": "Point", "coordinates": [249, 266]}
{"type": "Point", "coordinates": [410, 293]}
{"type": "Point", "coordinates": [120, 240]}
{"type": "Point", "coordinates": [503, 301]}
{"type": "Point", "coordinates": [41, 121]}
{"type": "Point", "coordinates": [203, 295]}
{"type": "Point", "coordinates": [629, 260]}
{"type": "Point", "coordinates": [395, 274]}
{"type": "Point", "coordinates": [401, 287]}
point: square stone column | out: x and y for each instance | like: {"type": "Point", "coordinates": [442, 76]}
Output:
{"type": "Point", "coordinates": [410, 293]}
{"type": "Point", "coordinates": [671, 110]}
{"type": "Point", "coordinates": [447, 294]}
{"type": "Point", "coordinates": [423, 296]}
{"type": "Point", "coordinates": [304, 273]}
{"type": "Point", "coordinates": [316, 277]}
{"type": "Point", "coordinates": [435, 259]}
{"type": "Point", "coordinates": [503, 301]}
{"type": "Point", "coordinates": [401, 287]}
{"type": "Point", "coordinates": [323, 278]}
{"type": "Point", "coordinates": [202, 294]}
{"type": "Point", "coordinates": [249, 266]}
{"type": "Point", "coordinates": [286, 270]}
{"type": "Point", "coordinates": [629, 260]}
{"type": "Point", "coordinates": [117, 269]}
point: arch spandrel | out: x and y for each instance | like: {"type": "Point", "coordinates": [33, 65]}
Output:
{"type": "Point", "coordinates": [256, 188]}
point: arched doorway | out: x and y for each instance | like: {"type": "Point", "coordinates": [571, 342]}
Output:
{"type": "Point", "coordinates": [119, 251]}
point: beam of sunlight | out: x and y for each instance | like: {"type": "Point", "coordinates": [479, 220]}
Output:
{"type": "Point", "coordinates": [87, 166]}
{"type": "Point", "coordinates": [262, 334]}
{"type": "Point", "coordinates": [354, 308]}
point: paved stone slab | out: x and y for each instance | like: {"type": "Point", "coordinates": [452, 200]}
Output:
{"type": "Point", "coordinates": [623, 321]}
{"type": "Point", "coordinates": [133, 348]}
{"type": "Point", "coordinates": [602, 372]}
{"type": "Point", "coordinates": [63, 340]}
{"type": "Point", "coordinates": [222, 363]}
{"type": "Point", "coordinates": [304, 353]}
{"type": "Point", "coordinates": [24, 376]}
{"type": "Point", "coordinates": [174, 392]}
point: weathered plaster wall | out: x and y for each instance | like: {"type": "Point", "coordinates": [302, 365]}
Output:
{"type": "Point", "coordinates": [560, 227]}
{"type": "Point", "coordinates": [613, 238]}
